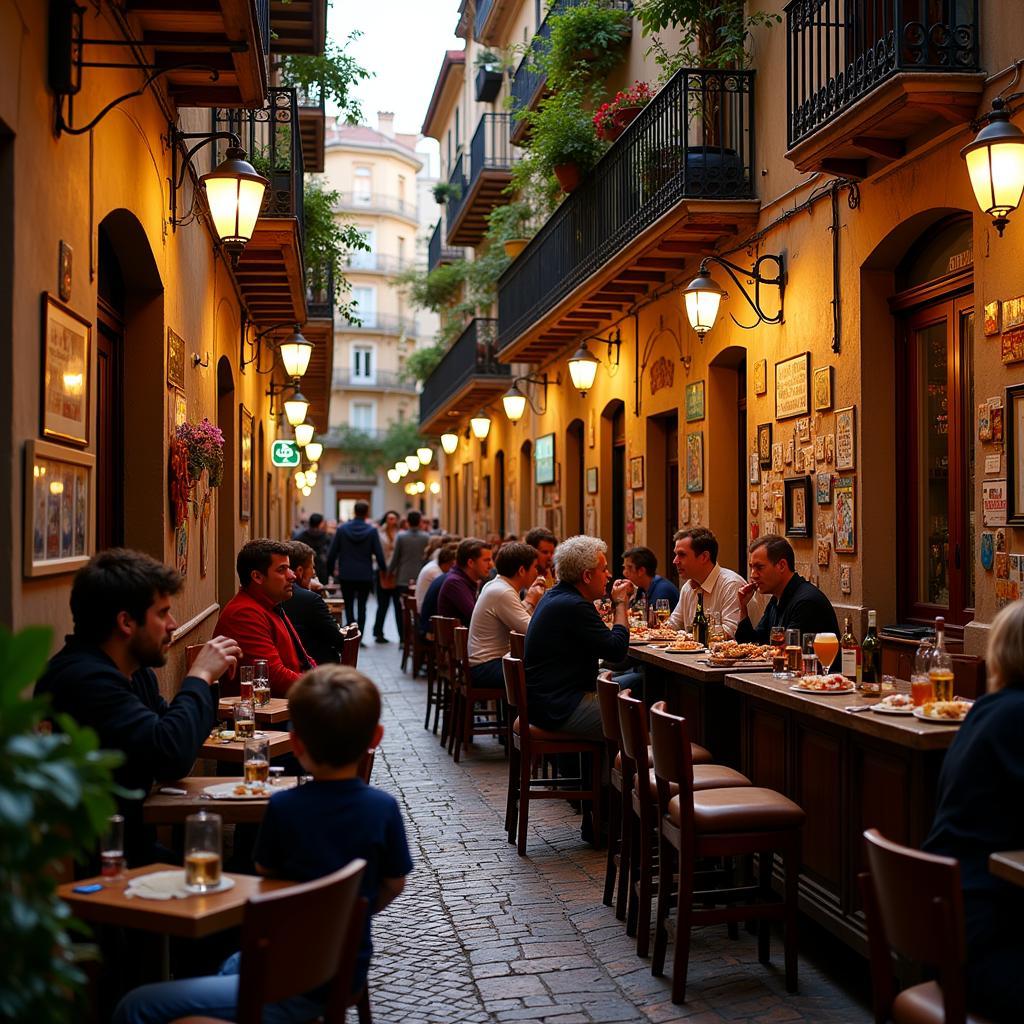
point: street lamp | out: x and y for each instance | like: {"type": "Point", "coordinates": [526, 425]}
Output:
{"type": "Point", "coordinates": [307, 491]}
{"type": "Point", "coordinates": [295, 408]}
{"type": "Point", "coordinates": [420, 486]}
{"type": "Point", "coordinates": [449, 442]}
{"type": "Point", "coordinates": [413, 462]}
{"type": "Point", "coordinates": [403, 469]}
{"type": "Point", "coordinates": [703, 295]}
{"type": "Point", "coordinates": [480, 424]}
{"type": "Point", "coordinates": [304, 434]}
{"type": "Point", "coordinates": [300, 479]}
{"type": "Point", "coordinates": [393, 475]}
{"type": "Point", "coordinates": [515, 403]}
{"type": "Point", "coordinates": [295, 352]}
{"type": "Point", "coordinates": [314, 450]}
{"type": "Point", "coordinates": [995, 163]}
{"type": "Point", "coordinates": [583, 366]}
{"type": "Point", "coordinates": [234, 193]}
{"type": "Point", "coordinates": [424, 455]}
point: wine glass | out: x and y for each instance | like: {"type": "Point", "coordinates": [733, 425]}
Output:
{"type": "Point", "coordinates": [662, 610]}
{"type": "Point", "coordinates": [826, 647]}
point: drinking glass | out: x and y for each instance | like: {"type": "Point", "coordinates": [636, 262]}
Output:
{"type": "Point", "coordinates": [261, 682]}
{"type": "Point", "coordinates": [826, 647]}
{"type": "Point", "coordinates": [256, 760]}
{"type": "Point", "coordinates": [662, 610]}
{"type": "Point", "coordinates": [777, 638]}
{"type": "Point", "coordinates": [810, 659]}
{"type": "Point", "coordinates": [202, 852]}
{"type": "Point", "coordinates": [922, 689]}
{"type": "Point", "coordinates": [245, 678]}
{"type": "Point", "coordinates": [245, 719]}
{"type": "Point", "coordinates": [716, 631]}
{"type": "Point", "coordinates": [794, 661]}
{"type": "Point", "coordinates": [112, 849]}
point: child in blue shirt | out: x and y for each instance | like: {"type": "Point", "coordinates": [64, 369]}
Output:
{"type": "Point", "coordinates": [308, 832]}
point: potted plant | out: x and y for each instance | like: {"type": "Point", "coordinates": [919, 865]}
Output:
{"type": "Point", "coordinates": [586, 43]}
{"type": "Point", "coordinates": [564, 141]}
{"type": "Point", "coordinates": [489, 76]}
{"type": "Point", "coordinates": [628, 103]}
{"type": "Point", "coordinates": [509, 225]}
{"type": "Point", "coordinates": [445, 190]}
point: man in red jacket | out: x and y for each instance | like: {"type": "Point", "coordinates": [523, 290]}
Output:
{"type": "Point", "coordinates": [255, 619]}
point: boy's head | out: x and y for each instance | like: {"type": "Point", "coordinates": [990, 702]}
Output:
{"type": "Point", "coordinates": [335, 713]}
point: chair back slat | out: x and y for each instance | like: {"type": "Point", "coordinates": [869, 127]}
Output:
{"type": "Point", "coordinates": [508, 671]}
{"type": "Point", "coordinates": [633, 727]}
{"type": "Point", "coordinates": [607, 701]}
{"type": "Point", "coordinates": [673, 761]}
{"type": "Point", "coordinates": [350, 649]}
{"type": "Point", "coordinates": [461, 649]}
{"type": "Point", "coordinates": [294, 940]}
{"type": "Point", "coordinates": [517, 644]}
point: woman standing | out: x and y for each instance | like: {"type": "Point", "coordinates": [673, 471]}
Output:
{"type": "Point", "coordinates": [388, 530]}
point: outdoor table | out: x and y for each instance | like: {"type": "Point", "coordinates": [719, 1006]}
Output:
{"type": "Point", "coordinates": [234, 750]}
{"type": "Point", "coordinates": [1008, 866]}
{"type": "Point", "coordinates": [172, 809]}
{"type": "Point", "coordinates": [269, 714]}
{"type": "Point", "coordinates": [336, 606]}
{"type": "Point", "coordinates": [849, 772]}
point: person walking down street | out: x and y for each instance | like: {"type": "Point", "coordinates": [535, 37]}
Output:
{"type": "Point", "coordinates": [406, 562]}
{"type": "Point", "coordinates": [315, 535]}
{"type": "Point", "coordinates": [355, 548]}
{"type": "Point", "coordinates": [387, 532]}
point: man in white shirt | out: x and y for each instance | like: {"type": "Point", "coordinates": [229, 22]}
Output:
{"type": "Point", "coordinates": [434, 567]}
{"type": "Point", "coordinates": [499, 611]}
{"type": "Point", "coordinates": [696, 558]}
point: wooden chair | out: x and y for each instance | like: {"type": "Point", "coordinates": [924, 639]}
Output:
{"type": "Point", "coordinates": [734, 822]}
{"type": "Point", "coordinates": [295, 940]}
{"type": "Point", "coordinates": [533, 743]}
{"type": "Point", "coordinates": [517, 645]}
{"type": "Point", "coordinates": [419, 648]}
{"type": "Point", "coordinates": [365, 769]}
{"type": "Point", "coordinates": [914, 906]}
{"type": "Point", "coordinates": [408, 635]}
{"type": "Point", "coordinates": [640, 814]}
{"type": "Point", "coordinates": [466, 696]}
{"type": "Point", "coordinates": [444, 682]}
{"type": "Point", "coordinates": [350, 649]}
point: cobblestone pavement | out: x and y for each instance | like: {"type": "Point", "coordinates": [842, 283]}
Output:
{"type": "Point", "coordinates": [482, 935]}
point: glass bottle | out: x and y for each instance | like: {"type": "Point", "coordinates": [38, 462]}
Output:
{"type": "Point", "coordinates": [851, 663]}
{"type": "Point", "coordinates": [940, 666]}
{"type": "Point", "coordinates": [871, 657]}
{"type": "Point", "coordinates": [700, 622]}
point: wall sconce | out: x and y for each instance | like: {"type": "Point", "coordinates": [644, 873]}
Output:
{"type": "Point", "coordinates": [393, 475]}
{"type": "Point", "coordinates": [515, 400]}
{"type": "Point", "coordinates": [295, 408]}
{"type": "Point", "coordinates": [307, 491]}
{"type": "Point", "coordinates": [413, 462]}
{"type": "Point", "coordinates": [200, 360]}
{"type": "Point", "coordinates": [703, 295]}
{"type": "Point", "coordinates": [995, 163]}
{"type": "Point", "coordinates": [424, 455]}
{"type": "Point", "coordinates": [480, 424]}
{"type": "Point", "coordinates": [303, 433]}
{"type": "Point", "coordinates": [300, 479]}
{"type": "Point", "coordinates": [313, 451]}
{"type": "Point", "coordinates": [295, 353]}
{"type": "Point", "coordinates": [449, 443]}
{"type": "Point", "coordinates": [403, 469]}
{"type": "Point", "coordinates": [435, 487]}
{"type": "Point", "coordinates": [583, 363]}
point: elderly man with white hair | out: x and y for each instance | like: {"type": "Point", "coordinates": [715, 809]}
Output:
{"type": "Point", "coordinates": [567, 638]}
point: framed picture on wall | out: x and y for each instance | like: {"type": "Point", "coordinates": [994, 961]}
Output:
{"type": "Point", "coordinates": [845, 515]}
{"type": "Point", "coordinates": [764, 445]}
{"type": "Point", "coordinates": [793, 386]}
{"type": "Point", "coordinates": [245, 423]}
{"type": "Point", "coordinates": [636, 472]}
{"type": "Point", "coordinates": [175, 360]}
{"type": "Point", "coordinates": [592, 480]}
{"type": "Point", "coordinates": [823, 389]}
{"type": "Point", "coordinates": [846, 438]}
{"type": "Point", "coordinates": [695, 401]}
{"type": "Point", "coordinates": [695, 462]}
{"type": "Point", "coordinates": [798, 507]}
{"type": "Point", "coordinates": [1014, 434]}
{"type": "Point", "coordinates": [544, 460]}
{"type": "Point", "coordinates": [66, 347]}
{"type": "Point", "coordinates": [59, 503]}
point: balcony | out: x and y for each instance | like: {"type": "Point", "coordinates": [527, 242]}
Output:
{"type": "Point", "coordinates": [468, 376]}
{"type": "Point", "coordinates": [490, 17]}
{"type": "Point", "coordinates": [677, 182]}
{"type": "Point", "coordinates": [320, 295]}
{"type": "Point", "coordinates": [270, 271]}
{"type": "Point", "coordinates": [382, 380]}
{"type": "Point", "coordinates": [228, 37]}
{"type": "Point", "coordinates": [867, 82]}
{"type": "Point", "coordinates": [381, 323]}
{"type": "Point", "coordinates": [312, 126]}
{"type": "Point", "coordinates": [481, 177]}
{"type": "Point", "coordinates": [437, 252]}
{"type": "Point", "coordinates": [361, 262]}
{"type": "Point", "coordinates": [367, 202]}
{"type": "Point", "coordinates": [299, 26]}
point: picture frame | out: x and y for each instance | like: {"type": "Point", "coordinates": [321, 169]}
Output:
{"type": "Point", "coordinates": [761, 377]}
{"type": "Point", "coordinates": [764, 445]}
{"type": "Point", "coordinates": [66, 377]}
{"type": "Point", "coordinates": [638, 506]}
{"type": "Point", "coordinates": [64, 276]}
{"type": "Point", "coordinates": [1013, 312]}
{"type": "Point", "coordinates": [823, 389]}
{"type": "Point", "coordinates": [845, 509]}
{"type": "Point", "coordinates": [245, 429]}
{"type": "Point", "coordinates": [636, 472]}
{"type": "Point", "coordinates": [592, 480]}
{"type": "Point", "coordinates": [823, 489]}
{"type": "Point", "coordinates": [798, 514]}
{"type": "Point", "coordinates": [754, 475]}
{"type": "Point", "coordinates": [846, 439]}
{"type": "Point", "coordinates": [695, 401]}
{"type": "Point", "coordinates": [695, 462]}
{"type": "Point", "coordinates": [59, 530]}
{"type": "Point", "coordinates": [175, 360]}
{"type": "Point", "coordinates": [992, 319]}
{"type": "Point", "coordinates": [544, 460]}
{"type": "Point", "coordinates": [1014, 431]}
{"type": "Point", "coordinates": [793, 386]}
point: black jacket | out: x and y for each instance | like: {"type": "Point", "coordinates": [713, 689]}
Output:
{"type": "Point", "coordinates": [319, 541]}
{"type": "Point", "coordinates": [315, 625]}
{"type": "Point", "coordinates": [803, 606]}
{"type": "Point", "coordinates": [160, 741]}
{"type": "Point", "coordinates": [355, 546]}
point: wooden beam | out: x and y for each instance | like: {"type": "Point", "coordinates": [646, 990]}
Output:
{"type": "Point", "coordinates": [887, 149]}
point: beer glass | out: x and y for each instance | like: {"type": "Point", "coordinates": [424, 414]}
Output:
{"type": "Point", "coordinates": [261, 682]}
{"type": "Point", "coordinates": [245, 676]}
{"type": "Point", "coordinates": [112, 849]}
{"type": "Point", "coordinates": [826, 647]}
{"type": "Point", "coordinates": [662, 610]}
{"type": "Point", "coordinates": [202, 852]}
{"type": "Point", "coordinates": [794, 654]}
{"type": "Point", "coordinates": [256, 760]}
{"type": "Point", "coordinates": [777, 637]}
{"type": "Point", "coordinates": [245, 719]}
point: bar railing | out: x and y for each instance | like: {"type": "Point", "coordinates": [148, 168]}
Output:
{"type": "Point", "coordinates": [694, 140]}
{"type": "Point", "coordinates": [840, 50]}
{"type": "Point", "coordinates": [474, 354]}
{"type": "Point", "coordinates": [438, 252]}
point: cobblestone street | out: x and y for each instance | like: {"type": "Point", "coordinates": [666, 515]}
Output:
{"type": "Point", "coordinates": [481, 934]}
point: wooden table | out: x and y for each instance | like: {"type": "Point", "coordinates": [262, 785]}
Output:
{"type": "Point", "coordinates": [336, 606]}
{"type": "Point", "coordinates": [268, 714]}
{"type": "Point", "coordinates": [172, 809]}
{"type": "Point", "coordinates": [279, 743]}
{"type": "Point", "coordinates": [849, 772]}
{"type": "Point", "coordinates": [1008, 866]}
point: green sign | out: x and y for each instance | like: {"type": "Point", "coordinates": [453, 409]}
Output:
{"type": "Point", "coordinates": [285, 454]}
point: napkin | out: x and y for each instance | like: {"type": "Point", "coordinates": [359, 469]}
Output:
{"type": "Point", "coordinates": [168, 885]}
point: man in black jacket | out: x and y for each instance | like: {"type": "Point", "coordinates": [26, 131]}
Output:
{"type": "Point", "coordinates": [307, 610]}
{"type": "Point", "coordinates": [355, 548]}
{"type": "Point", "coordinates": [316, 536]}
{"type": "Point", "coordinates": [103, 678]}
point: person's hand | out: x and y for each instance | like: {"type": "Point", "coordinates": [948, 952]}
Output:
{"type": "Point", "coordinates": [745, 593]}
{"type": "Point", "coordinates": [316, 586]}
{"type": "Point", "coordinates": [218, 656]}
{"type": "Point", "coordinates": [622, 590]}
{"type": "Point", "coordinates": [537, 590]}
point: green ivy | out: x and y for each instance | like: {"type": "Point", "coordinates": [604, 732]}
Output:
{"type": "Point", "coordinates": [335, 71]}
{"type": "Point", "coordinates": [56, 793]}
{"type": "Point", "coordinates": [422, 363]}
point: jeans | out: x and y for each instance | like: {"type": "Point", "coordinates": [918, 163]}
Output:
{"type": "Point", "coordinates": [212, 996]}
{"type": "Point", "coordinates": [385, 598]}
{"type": "Point", "coordinates": [585, 721]}
{"type": "Point", "coordinates": [488, 675]}
{"type": "Point", "coordinates": [355, 593]}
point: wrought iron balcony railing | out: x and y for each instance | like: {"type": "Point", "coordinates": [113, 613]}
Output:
{"type": "Point", "coordinates": [840, 50]}
{"type": "Point", "coordinates": [474, 354]}
{"type": "Point", "coordinates": [381, 380]}
{"type": "Point", "coordinates": [320, 293]}
{"type": "Point", "coordinates": [378, 263]}
{"type": "Point", "coordinates": [489, 150]}
{"type": "Point", "coordinates": [483, 12]}
{"type": "Point", "coordinates": [695, 140]}
{"type": "Point", "coordinates": [381, 323]}
{"type": "Point", "coordinates": [438, 252]}
{"type": "Point", "coordinates": [374, 202]}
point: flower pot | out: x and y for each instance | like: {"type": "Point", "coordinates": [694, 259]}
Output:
{"type": "Point", "coordinates": [568, 175]}
{"type": "Point", "coordinates": [623, 116]}
{"type": "Point", "coordinates": [610, 131]}
{"type": "Point", "coordinates": [514, 246]}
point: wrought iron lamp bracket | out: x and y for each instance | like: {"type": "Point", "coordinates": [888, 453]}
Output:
{"type": "Point", "coordinates": [612, 342]}
{"type": "Point", "coordinates": [760, 280]}
{"type": "Point", "coordinates": [256, 344]}
{"type": "Point", "coordinates": [174, 140]}
{"type": "Point", "coordinates": [541, 381]}
{"type": "Point", "coordinates": [276, 389]}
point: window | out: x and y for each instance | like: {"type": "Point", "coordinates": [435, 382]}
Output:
{"type": "Point", "coordinates": [362, 186]}
{"type": "Point", "coordinates": [364, 370]}
{"type": "Point", "coordinates": [401, 189]}
{"type": "Point", "coordinates": [362, 259]}
{"type": "Point", "coordinates": [365, 301]}
{"type": "Point", "coordinates": [363, 416]}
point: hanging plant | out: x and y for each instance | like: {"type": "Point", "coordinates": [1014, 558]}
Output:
{"type": "Point", "coordinates": [204, 449]}
{"type": "Point", "coordinates": [179, 481]}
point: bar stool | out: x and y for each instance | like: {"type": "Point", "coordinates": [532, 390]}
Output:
{"type": "Point", "coordinates": [444, 654]}
{"type": "Point", "coordinates": [465, 698]}
{"type": "Point", "coordinates": [640, 814]}
{"type": "Point", "coordinates": [533, 743]}
{"type": "Point", "coordinates": [732, 822]}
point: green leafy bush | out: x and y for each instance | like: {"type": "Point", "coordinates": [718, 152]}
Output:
{"type": "Point", "coordinates": [562, 132]}
{"type": "Point", "coordinates": [586, 44]}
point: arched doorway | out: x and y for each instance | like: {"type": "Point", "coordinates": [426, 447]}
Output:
{"type": "Point", "coordinates": [725, 454]}
{"type": "Point", "coordinates": [662, 488]}
{"type": "Point", "coordinates": [574, 485]}
{"type": "Point", "coordinates": [499, 497]}
{"type": "Point", "coordinates": [612, 479]}
{"type": "Point", "coordinates": [526, 510]}
{"type": "Point", "coordinates": [227, 413]}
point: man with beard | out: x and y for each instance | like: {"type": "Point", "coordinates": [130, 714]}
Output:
{"type": "Point", "coordinates": [103, 678]}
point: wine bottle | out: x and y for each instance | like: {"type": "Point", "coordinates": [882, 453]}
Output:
{"type": "Point", "coordinates": [871, 656]}
{"type": "Point", "coordinates": [700, 622]}
{"type": "Point", "coordinates": [851, 664]}
{"type": "Point", "coordinates": [940, 667]}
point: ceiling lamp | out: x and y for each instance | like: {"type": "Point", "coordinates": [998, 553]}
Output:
{"type": "Point", "coordinates": [424, 455]}
{"type": "Point", "coordinates": [314, 450]}
{"type": "Point", "coordinates": [295, 352]}
{"type": "Point", "coordinates": [995, 163]}
{"type": "Point", "coordinates": [413, 462]}
{"type": "Point", "coordinates": [515, 403]}
{"type": "Point", "coordinates": [480, 424]}
{"type": "Point", "coordinates": [703, 295]}
{"type": "Point", "coordinates": [304, 434]}
{"type": "Point", "coordinates": [435, 487]}
{"type": "Point", "coordinates": [394, 476]}
{"type": "Point", "coordinates": [449, 442]}
{"type": "Point", "coordinates": [583, 366]}
{"type": "Point", "coordinates": [295, 408]}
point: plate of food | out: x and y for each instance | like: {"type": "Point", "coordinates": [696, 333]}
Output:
{"type": "Point", "coordinates": [895, 704]}
{"type": "Point", "coordinates": [238, 790]}
{"type": "Point", "coordinates": [945, 712]}
{"type": "Point", "coordinates": [824, 685]}
{"type": "Point", "coordinates": [682, 645]}
{"type": "Point", "coordinates": [647, 635]}
{"type": "Point", "coordinates": [741, 652]}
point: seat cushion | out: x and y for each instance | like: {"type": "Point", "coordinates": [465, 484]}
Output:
{"type": "Point", "coordinates": [705, 776]}
{"type": "Point", "coordinates": [740, 809]}
{"type": "Point", "coordinates": [618, 759]}
{"type": "Point", "coordinates": [922, 1004]}
{"type": "Point", "coordinates": [700, 755]}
